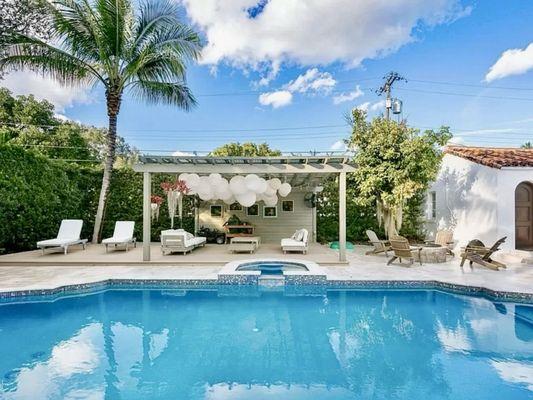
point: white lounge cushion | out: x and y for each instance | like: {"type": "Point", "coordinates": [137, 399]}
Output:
{"type": "Point", "coordinates": [56, 242]}
{"type": "Point", "coordinates": [69, 233]}
{"type": "Point", "coordinates": [292, 243]}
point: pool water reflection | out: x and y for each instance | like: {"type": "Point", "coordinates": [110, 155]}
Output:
{"type": "Point", "coordinates": [165, 344]}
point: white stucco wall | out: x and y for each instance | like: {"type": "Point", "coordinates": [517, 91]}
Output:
{"type": "Point", "coordinates": [476, 201]}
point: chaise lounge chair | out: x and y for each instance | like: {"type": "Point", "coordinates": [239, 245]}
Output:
{"type": "Point", "coordinates": [122, 235]}
{"type": "Point", "coordinates": [380, 246]}
{"type": "Point", "coordinates": [180, 241]}
{"type": "Point", "coordinates": [402, 249]}
{"type": "Point", "coordinates": [443, 238]}
{"type": "Point", "coordinates": [476, 252]}
{"type": "Point", "coordinates": [68, 235]}
{"type": "Point", "coordinates": [297, 242]}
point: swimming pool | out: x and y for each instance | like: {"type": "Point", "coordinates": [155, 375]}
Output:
{"type": "Point", "coordinates": [209, 344]}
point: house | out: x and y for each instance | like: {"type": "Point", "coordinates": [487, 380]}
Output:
{"type": "Point", "coordinates": [484, 193]}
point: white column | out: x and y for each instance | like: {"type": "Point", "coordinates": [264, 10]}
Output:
{"type": "Point", "coordinates": [342, 216]}
{"type": "Point", "coordinates": [147, 221]}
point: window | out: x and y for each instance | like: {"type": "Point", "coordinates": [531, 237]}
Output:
{"type": "Point", "coordinates": [432, 205]}
{"type": "Point", "coordinates": [216, 211]}
{"type": "Point", "coordinates": [253, 210]}
{"type": "Point", "coordinates": [270, 212]}
{"type": "Point", "coordinates": [235, 207]}
{"type": "Point", "coordinates": [287, 206]}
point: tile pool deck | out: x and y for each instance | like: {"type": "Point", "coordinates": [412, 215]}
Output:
{"type": "Point", "coordinates": [517, 278]}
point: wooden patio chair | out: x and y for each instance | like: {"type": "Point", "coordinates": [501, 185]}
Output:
{"type": "Point", "coordinates": [476, 252]}
{"type": "Point", "coordinates": [380, 246]}
{"type": "Point", "coordinates": [443, 238]}
{"type": "Point", "coordinates": [401, 248]}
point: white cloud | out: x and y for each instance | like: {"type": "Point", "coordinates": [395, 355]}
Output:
{"type": "Point", "coordinates": [276, 99]}
{"type": "Point", "coordinates": [379, 105]}
{"type": "Point", "coordinates": [369, 106]}
{"type": "Point", "coordinates": [339, 145]}
{"type": "Point", "coordinates": [181, 153]}
{"type": "Point", "coordinates": [343, 97]}
{"type": "Point", "coordinates": [310, 32]}
{"type": "Point", "coordinates": [312, 81]}
{"type": "Point", "coordinates": [511, 62]}
{"type": "Point", "coordinates": [457, 140]}
{"type": "Point", "coordinates": [25, 82]}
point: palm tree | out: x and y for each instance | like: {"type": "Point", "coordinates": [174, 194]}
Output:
{"type": "Point", "coordinates": [107, 42]}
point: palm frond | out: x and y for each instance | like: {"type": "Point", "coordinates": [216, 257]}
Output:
{"type": "Point", "coordinates": [153, 15]}
{"type": "Point", "coordinates": [172, 93]}
{"type": "Point", "coordinates": [30, 53]}
{"type": "Point", "coordinates": [115, 20]}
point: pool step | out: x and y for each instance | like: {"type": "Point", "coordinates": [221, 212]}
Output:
{"type": "Point", "coordinates": [271, 282]}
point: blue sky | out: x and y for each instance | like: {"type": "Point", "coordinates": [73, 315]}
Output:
{"type": "Point", "coordinates": [248, 89]}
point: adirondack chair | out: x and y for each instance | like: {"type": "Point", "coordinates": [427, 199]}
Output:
{"type": "Point", "coordinates": [443, 238]}
{"type": "Point", "coordinates": [476, 252]}
{"type": "Point", "coordinates": [380, 246]}
{"type": "Point", "coordinates": [402, 249]}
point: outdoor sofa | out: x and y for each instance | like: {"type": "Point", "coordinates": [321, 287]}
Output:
{"type": "Point", "coordinates": [180, 241]}
{"type": "Point", "coordinates": [297, 242]}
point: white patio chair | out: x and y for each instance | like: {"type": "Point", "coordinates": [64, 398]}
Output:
{"type": "Point", "coordinates": [180, 241]}
{"type": "Point", "coordinates": [68, 235]}
{"type": "Point", "coordinates": [122, 235]}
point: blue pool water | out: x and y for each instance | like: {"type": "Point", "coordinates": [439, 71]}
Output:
{"type": "Point", "coordinates": [272, 268]}
{"type": "Point", "coordinates": [176, 344]}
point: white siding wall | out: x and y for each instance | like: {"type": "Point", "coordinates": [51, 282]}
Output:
{"type": "Point", "coordinates": [271, 230]}
{"type": "Point", "coordinates": [476, 201]}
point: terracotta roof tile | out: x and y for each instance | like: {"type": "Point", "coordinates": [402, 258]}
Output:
{"type": "Point", "coordinates": [494, 157]}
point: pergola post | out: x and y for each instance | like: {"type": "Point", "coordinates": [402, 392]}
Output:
{"type": "Point", "coordinates": [342, 216]}
{"type": "Point", "coordinates": [147, 211]}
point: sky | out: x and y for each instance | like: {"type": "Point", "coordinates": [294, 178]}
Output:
{"type": "Point", "coordinates": [287, 72]}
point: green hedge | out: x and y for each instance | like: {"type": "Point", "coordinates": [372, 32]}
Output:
{"type": "Point", "coordinates": [36, 193]}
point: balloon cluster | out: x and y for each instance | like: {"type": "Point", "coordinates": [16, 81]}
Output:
{"type": "Point", "coordinates": [245, 190]}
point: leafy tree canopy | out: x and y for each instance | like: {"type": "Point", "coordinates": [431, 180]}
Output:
{"type": "Point", "coordinates": [394, 163]}
{"type": "Point", "coordinates": [248, 149]}
{"type": "Point", "coordinates": [30, 123]}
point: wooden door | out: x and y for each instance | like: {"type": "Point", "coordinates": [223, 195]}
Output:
{"type": "Point", "coordinates": [524, 216]}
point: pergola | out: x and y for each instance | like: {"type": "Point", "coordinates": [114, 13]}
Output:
{"type": "Point", "coordinates": [299, 170]}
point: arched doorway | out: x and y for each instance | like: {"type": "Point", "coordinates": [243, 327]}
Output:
{"type": "Point", "coordinates": [524, 216]}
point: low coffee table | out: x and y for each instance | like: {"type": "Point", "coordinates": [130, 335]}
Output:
{"type": "Point", "coordinates": [431, 253]}
{"type": "Point", "coordinates": [247, 244]}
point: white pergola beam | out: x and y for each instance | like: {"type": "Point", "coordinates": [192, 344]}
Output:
{"type": "Point", "coordinates": [147, 211]}
{"type": "Point", "coordinates": [244, 168]}
{"type": "Point", "coordinates": [342, 217]}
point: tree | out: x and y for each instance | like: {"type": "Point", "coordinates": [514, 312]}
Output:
{"type": "Point", "coordinates": [106, 42]}
{"type": "Point", "coordinates": [394, 164]}
{"type": "Point", "coordinates": [247, 149]}
{"type": "Point", "coordinates": [527, 145]}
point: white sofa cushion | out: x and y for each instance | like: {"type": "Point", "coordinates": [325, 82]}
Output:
{"type": "Point", "coordinates": [292, 243]}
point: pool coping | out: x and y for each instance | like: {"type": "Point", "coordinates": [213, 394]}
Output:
{"type": "Point", "coordinates": [52, 294]}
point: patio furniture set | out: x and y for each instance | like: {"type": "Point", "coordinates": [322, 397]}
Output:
{"type": "Point", "coordinates": [172, 240]}
{"type": "Point", "coordinates": [435, 251]}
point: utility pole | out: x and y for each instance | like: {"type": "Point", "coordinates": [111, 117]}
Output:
{"type": "Point", "coordinates": [390, 78]}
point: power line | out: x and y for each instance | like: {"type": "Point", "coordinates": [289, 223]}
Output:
{"type": "Point", "coordinates": [466, 94]}
{"type": "Point", "coordinates": [447, 83]}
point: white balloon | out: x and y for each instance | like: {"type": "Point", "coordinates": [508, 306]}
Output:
{"type": "Point", "coordinates": [284, 189]}
{"type": "Point", "coordinates": [214, 178]}
{"type": "Point", "coordinates": [274, 183]}
{"type": "Point", "coordinates": [224, 194]}
{"type": "Point", "coordinates": [229, 201]}
{"type": "Point", "coordinates": [193, 180]}
{"type": "Point", "coordinates": [222, 185]}
{"type": "Point", "coordinates": [247, 199]}
{"type": "Point", "coordinates": [262, 186]}
{"type": "Point", "coordinates": [183, 177]}
{"type": "Point", "coordinates": [271, 201]}
{"type": "Point", "coordinates": [252, 182]}
{"type": "Point", "coordinates": [206, 196]}
{"type": "Point", "coordinates": [269, 192]}
{"type": "Point", "coordinates": [237, 185]}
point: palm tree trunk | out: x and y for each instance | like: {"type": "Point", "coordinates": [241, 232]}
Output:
{"type": "Point", "coordinates": [113, 106]}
